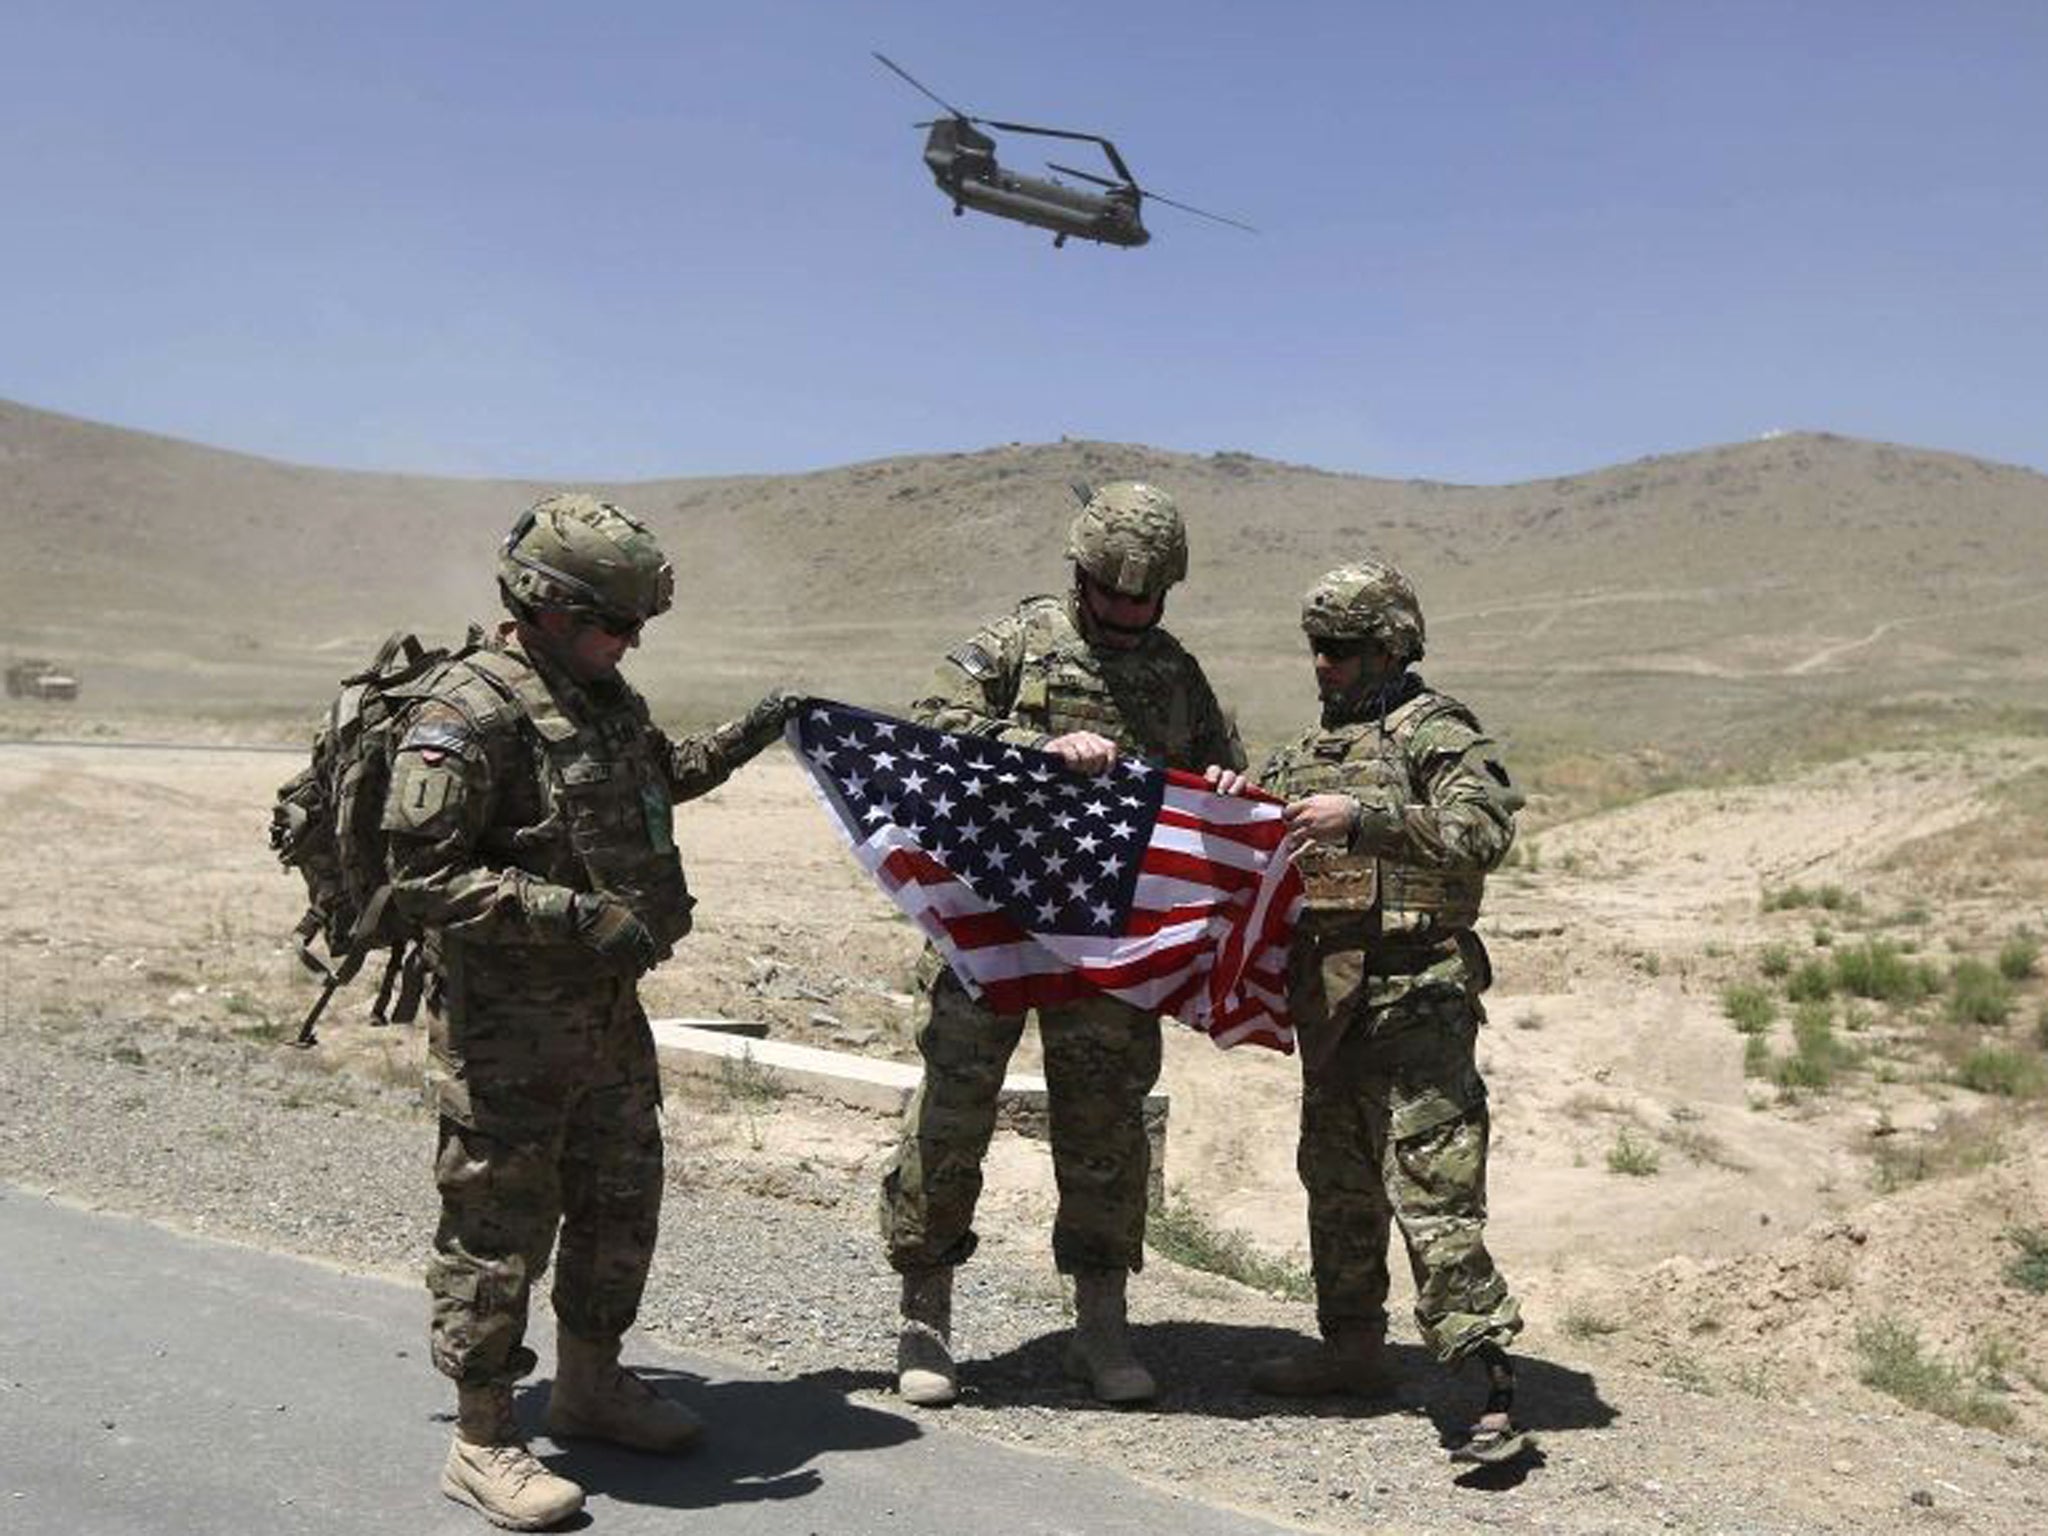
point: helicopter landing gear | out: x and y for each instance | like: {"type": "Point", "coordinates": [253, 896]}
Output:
{"type": "Point", "coordinates": [958, 210]}
{"type": "Point", "coordinates": [1058, 241]}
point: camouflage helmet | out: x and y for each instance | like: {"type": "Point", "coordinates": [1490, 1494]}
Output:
{"type": "Point", "coordinates": [1129, 537]}
{"type": "Point", "coordinates": [1367, 600]}
{"type": "Point", "coordinates": [576, 553]}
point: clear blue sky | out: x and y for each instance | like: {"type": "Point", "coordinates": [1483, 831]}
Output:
{"type": "Point", "coordinates": [1500, 240]}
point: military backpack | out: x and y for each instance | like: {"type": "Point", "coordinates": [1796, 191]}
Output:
{"type": "Point", "coordinates": [327, 824]}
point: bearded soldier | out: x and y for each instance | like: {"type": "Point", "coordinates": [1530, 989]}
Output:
{"type": "Point", "coordinates": [530, 837]}
{"type": "Point", "coordinates": [1397, 806]}
{"type": "Point", "coordinates": [1088, 677]}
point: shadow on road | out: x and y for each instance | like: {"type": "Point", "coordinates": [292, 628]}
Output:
{"type": "Point", "coordinates": [760, 1438]}
{"type": "Point", "coordinates": [1202, 1369]}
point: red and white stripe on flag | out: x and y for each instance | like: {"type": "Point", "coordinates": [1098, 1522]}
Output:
{"type": "Point", "coordinates": [1204, 936]}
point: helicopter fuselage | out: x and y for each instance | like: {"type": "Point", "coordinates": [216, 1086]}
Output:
{"type": "Point", "coordinates": [963, 163]}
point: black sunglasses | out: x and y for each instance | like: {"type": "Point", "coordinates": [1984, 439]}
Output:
{"type": "Point", "coordinates": [1337, 650]}
{"type": "Point", "coordinates": [616, 625]}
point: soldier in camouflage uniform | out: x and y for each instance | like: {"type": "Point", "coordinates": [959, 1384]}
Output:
{"type": "Point", "coordinates": [1087, 677]}
{"type": "Point", "coordinates": [1398, 807]}
{"type": "Point", "coordinates": [530, 836]}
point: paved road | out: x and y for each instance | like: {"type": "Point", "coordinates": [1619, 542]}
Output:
{"type": "Point", "coordinates": [165, 1385]}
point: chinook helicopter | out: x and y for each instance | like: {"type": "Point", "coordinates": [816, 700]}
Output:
{"type": "Point", "coordinates": [963, 162]}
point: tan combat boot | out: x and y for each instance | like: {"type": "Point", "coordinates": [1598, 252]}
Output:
{"type": "Point", "coordinates": [1352, 1359]}
{"type": "Point", "coordinates": [597, 1398]}
{"type": "Point", "coordinates": [1099, 1352]}
{"type": "Point", "coordinates": [490, 1469]}
{"type": "Point", "coordinates": [925, 1373]}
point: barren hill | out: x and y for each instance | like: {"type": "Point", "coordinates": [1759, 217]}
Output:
{"type": "Point", "coordinates": [1683, 601]}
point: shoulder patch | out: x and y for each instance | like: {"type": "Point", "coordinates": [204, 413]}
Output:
{"type": "Point", "coordinates": [1449, 734]}
{"type": "Point", "coordinates": [425, 789]}
{"type": "Point", "coordinates": [439, 736]}
{"type": "Point", "coordinates": [973, 659]}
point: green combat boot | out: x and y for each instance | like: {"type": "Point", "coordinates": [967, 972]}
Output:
{"type": "Point", "coordinates": [925, 1373]}
{"type": "Point", "coordinates": [490, 1469]}
{"type": "Point", "coordinates": [1099, 1352]}
{"type": "Point", "coordinates": [1352, 1359]}
{"type": "Point", "coordinates": [597, 1398]}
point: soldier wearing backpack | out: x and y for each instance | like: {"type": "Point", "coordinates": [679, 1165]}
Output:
{"type": "Point", "coordinates": [530, 843]}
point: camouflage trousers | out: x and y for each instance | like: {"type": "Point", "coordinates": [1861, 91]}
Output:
{"type": "Point", "coordinates": [1394, 1130]}
{"type": "Point", "coordinates": [550, 1145]}
{"type": "Point", "coordinates": [1101, 1059]}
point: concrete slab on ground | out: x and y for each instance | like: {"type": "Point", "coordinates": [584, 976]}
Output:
{"type": "Point", "coordinates": [865, 1082]}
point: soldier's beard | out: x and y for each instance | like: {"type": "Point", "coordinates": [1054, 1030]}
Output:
{"type": "Point", "coordinates": [581, 662]}
{"type": "Point", "coordinates": [1130, 634]}
{"type": "Point", "coordinates": [1352, 703]}
{"type": "Point", "coordinates": [1119, 637]}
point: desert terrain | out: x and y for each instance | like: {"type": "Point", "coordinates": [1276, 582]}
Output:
{"type": "Point", "coordinates": [1766, 1047]}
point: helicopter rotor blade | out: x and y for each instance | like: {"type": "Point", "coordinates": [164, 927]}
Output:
{"type": "Point", "coordinates": [1132, 186]}
{"type": "Point", "coordinates": [1044, 133]}
{"type": "Point", "coordinates": [1201, 212]}
{"type": "Point", "coordinates": [918, 85]}
{"type": "Point", "coordinates": [1116, 160]}
{"type": "Point", "coordinates": [1100, 181]}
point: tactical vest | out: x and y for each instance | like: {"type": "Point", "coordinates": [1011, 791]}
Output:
{"type": "Point", "coordinates": [1138, 698]}
{"type": "Point", "coordinates": [607, 821]}
{"type": "Point", "coordinates": [1412, 903]}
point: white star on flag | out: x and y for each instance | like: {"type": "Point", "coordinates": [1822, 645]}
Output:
{"type": "Point", "coordinates": [1192, 919]}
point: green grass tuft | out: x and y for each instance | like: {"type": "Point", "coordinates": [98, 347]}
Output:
{"type": "Point", "coordinates": [1895, 1363]}
{"type": "Point", "coordinates": [1977, 994]}
{"type": "Point", "coordinates": [1829, 898]}
{"type": "Point", "coordinates": [746, 1081]}
{"type": "Point", "coordinates": [1817, 1057]}
{"type": "Point", "coordinates": [1876, 969]}
{"type": "Point", "coordinates": [1812, 982]}
{"type": "Point", "coordinates": [1749, 1008]}
{"type": "Point", "coordinates": [2007, 1073]}
{"type": "Point", "coordinates": [1632, 1158]}
{"type": "Point", "coordinates": [2019, 957]}
{"type": "Point", "coordinates": [1183, 1234]}
{"type": "Point", "coordinates": [2030, 1270]}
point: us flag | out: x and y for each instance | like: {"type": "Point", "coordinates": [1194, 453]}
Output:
{"type": "Point", "coordinates": [1041, 885]}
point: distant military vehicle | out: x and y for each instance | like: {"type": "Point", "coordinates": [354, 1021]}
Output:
{"type": "Point", "coordinates": [38, 679]}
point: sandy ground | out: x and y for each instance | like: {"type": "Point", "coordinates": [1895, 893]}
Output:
{"type": "Point", "coordinates": [136, 883]}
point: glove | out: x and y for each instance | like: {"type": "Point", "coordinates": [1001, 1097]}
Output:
{"type": "Point", "coordinates": [607, 925]}
{"type": "Point", "coordinates": [764, 722]}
